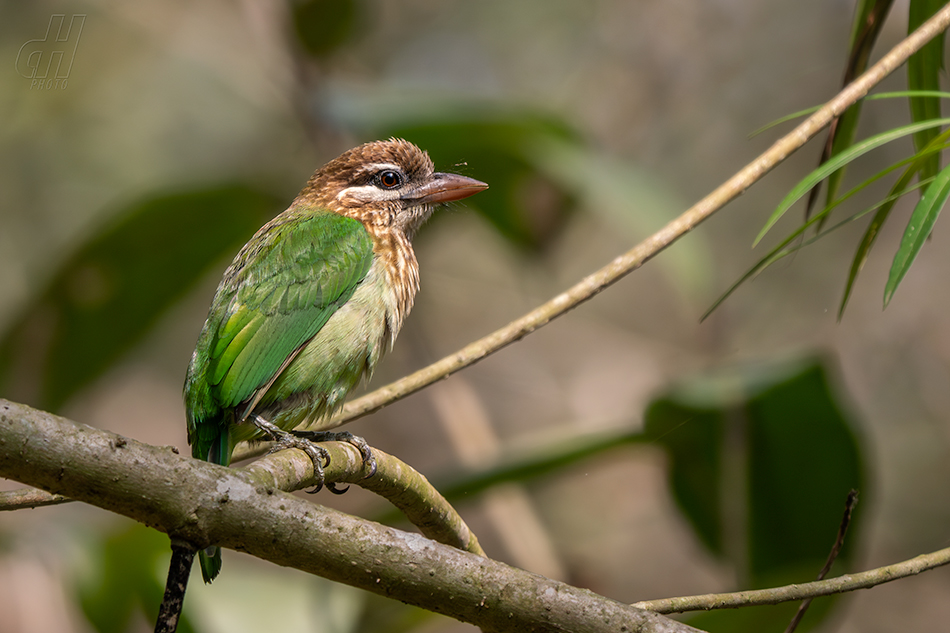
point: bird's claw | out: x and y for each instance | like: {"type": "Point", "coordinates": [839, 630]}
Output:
{"type": "Point", "coordinates": [317, 454]}
{"type": "Point", "coordinates": [306, 441]}
{"type": "Point", "coordinates": [284, 440]}
{"type": "Point", "coordinates": [343, 436]}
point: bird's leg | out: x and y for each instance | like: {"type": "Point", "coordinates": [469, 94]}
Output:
{"type": "Point", "coordinates": [342, 436]}
{"type": "Point", "coordinates": [283, 440]}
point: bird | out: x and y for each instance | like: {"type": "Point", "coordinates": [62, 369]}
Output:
{"type": "Point", "coordinates": [310, 304]}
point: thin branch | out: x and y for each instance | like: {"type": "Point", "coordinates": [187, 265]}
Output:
{"type": "Point", "coordinates": [179, 571]}
{"type": "Point", "coordinates": [790, 593]}
{"type": "Point", "coordinates": [849, 505]}
{"type": "Point", "coordinates": [649, 248]}
{"type": "Point", "coordinates": [29, 498]}
{"type": "Point", "coordinates": [240, 509]}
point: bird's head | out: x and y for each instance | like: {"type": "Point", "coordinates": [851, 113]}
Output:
{"type": "Point", "coordinates": [388, 184]}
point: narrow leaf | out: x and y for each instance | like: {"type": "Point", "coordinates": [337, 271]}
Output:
{"type": "Point", "coordinates": [923, 73]}
{"type": "Point", "coordinates": [108, 294]}
{"type": "Point", "coordinates": [787, 117]}
{"type": "Point", "coordinates": [868, 19]}
{"type": "Point", "coordinates": [896, 94]}
{"type": "Point", "coordinates": [780, 251]}
{"type": "Point", "coordinates": [870, 235]}
{"type": "Point", "coordinates": [897, 191]}
{"type": "Point", "coordinates": [816, 176]}
{"type": "Point", "coordinates": [918, 228]}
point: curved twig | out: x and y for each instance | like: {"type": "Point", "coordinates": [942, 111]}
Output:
{"type": "Point", "coordinates": [650, 247]}
{"type": "Point", "coordinates": [396, 481]}
{"type": "Point", "coordinates": [790, 593]}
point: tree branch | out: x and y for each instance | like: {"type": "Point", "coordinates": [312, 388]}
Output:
{"type": "Point", "coordinates": [29, 498]}
{"type": "Point", "coordinates": [241, 509]}
{"type": "Point", "coordinates": [650, 247]}
{"type": "Point", "coordinates": [399, 483]}
{"type": "Point", "coordinates": [394, 480]}
{"type": "Point", "coordinates": [790, 593]}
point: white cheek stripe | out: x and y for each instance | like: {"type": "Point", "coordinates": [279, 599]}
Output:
{"type": "Point", "coordinates": [370, 193]}
{"type": "Point", "coordinates": [367, 193]}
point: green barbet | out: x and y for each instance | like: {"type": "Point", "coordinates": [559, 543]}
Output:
{"type": "Point", "coordinates": [310, 303]}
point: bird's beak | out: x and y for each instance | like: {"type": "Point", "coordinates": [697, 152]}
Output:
{"type": "Point", "coordinates": [445, 188]}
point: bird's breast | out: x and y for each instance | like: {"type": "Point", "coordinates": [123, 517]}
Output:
{"type": "Point", "coordinates": [400, 270]}
{"type": "Point", "coordinates": [345, 350]}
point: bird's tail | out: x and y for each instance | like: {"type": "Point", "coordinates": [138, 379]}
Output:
{"type": "Point", "coordinates": [215, 447]}
{"type": "Point", "coordinates": [210, 560]}
{"type": "Point", "coordinates": [210, 557]}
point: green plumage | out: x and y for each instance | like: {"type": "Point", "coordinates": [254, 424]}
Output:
{"type": "Point", "coordinates": [280, 291]}
{"type": "Point", "coordinates": [309, 304]}
{"type": "Point", "coordinates": [282, 288]}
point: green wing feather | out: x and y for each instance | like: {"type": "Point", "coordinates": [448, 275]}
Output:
{"type": "Point", "coordinates": [283, 287]}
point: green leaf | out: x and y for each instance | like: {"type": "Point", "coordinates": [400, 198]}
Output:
{"type": "Point", "coordinates": [761, 460]}
{"type": "Point", "coordinates": [874, 228]}
{"type": "Point", "coordinates": [822, 172]}
{"type": "Point", "coordinates": [109, 293]}
{"type": "Point", "coordinates": [923, 73]}
{"type": "Point", "coordinates": [918, 229]}
{"type": "Point", "coordinates": [780, 251]}
{"type": "Point", "coordinates": [897, 94]}
{"type": "Point", "coordinates": [787, 117]}
{"type": "Point", "coordinates": [324, 26]}
{"type": "Point", "coordinates": [869, 18]}
{"type": "Point", "coordinates": [524, 468]}
{"type": "Point", "coordinates": [523, 202]}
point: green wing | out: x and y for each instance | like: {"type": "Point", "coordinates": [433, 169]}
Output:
{"type": "Point", "coordinates": [284, 286]}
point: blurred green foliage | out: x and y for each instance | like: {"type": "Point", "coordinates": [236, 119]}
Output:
{"type": "Point", "coordinates": [107, 295]}
{"type": "Point", "coordinates": [762, 460]}
{"type": "Point", "coordinates": [123, 582]}
{"type": "Point", "coordinates": [323, 26]}
{"type": "Point", "coordinates": [525, 204]}
{"type": "Point", "coordinates": [924, 70]}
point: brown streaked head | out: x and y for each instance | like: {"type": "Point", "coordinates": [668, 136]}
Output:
{"type": "Point", "coordinates": [386, 183]}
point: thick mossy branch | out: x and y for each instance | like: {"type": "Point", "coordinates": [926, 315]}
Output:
{"type": "Point", "coordinates": [396, 481]}
{"type": "Point", "coordinates": [243, 509]}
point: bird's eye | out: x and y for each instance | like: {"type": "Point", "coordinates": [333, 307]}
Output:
{"type": "Point", "coordinates": [389, 179]}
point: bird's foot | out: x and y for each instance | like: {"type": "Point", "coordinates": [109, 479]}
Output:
{"type": "Point", "coordinates": [342, 436]}
{"type": "Point", "coordinates": [284, 440]}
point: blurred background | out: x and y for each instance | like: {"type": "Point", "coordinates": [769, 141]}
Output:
{"type": "Point", "coordinates": [179, 128]}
